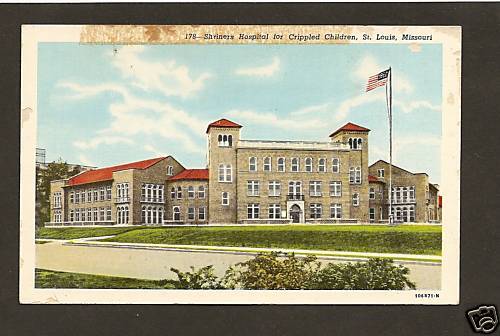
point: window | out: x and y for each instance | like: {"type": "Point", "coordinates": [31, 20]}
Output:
{"type": "Point", "coordinates": [253, 211]}
{"type": "Point", "coordinates": [225, 198]}
{"type": "Point", "coordinates": [225, 140]}
{"type": "Point", "coordinates": [57, 216]}
{"type": "Point", "coordinates": [108, 193]}
{"type": "Point", "coordinates": [315, 209]}
{"type": "Point", "coordinates": [355, 175]}
{"type": "Point", "coordinates": [335, 165]}
{"type": "Point", "coordinates": [102, 214]}
{"type": "Point", "coordinates": [380, 212]}
{"type": "Point", "coordinates": [281, 164]}
{"type": "Point", "coordinates": [336, 211]}
{"type": "Point", "coordinates": [201, 213]}
{"type": "Point", "coordinates": [172, 193]}
{"type": "Point", "coordinates": [102, 195]}
{"type": "Point", "coordinates": [191, 192]}
{"type": "Point", "coordinates": [412, 213]}
{"type": "Point", "coordinates": [404, 194]}
{"type": "Point", "coordinates": [355, 143]}
{"type": "Point", "coordinates": [295, 165]}
{"type": "Point", "coordinates": [315, 188]}
{"type": "Point", "coordinates": [295, 188]}
{"type": "Point", "coordinates": [336, 188]}
{"type": "Point", "coordinates": [412, 194]}
{"type": "Point", "coordinates": [89, 214]}
{"type": "Point", "coordinates": [355, 199]}
{"type": "Point", "coordinates": [122, 214]}
{"type": "Point", "coordinates": [89, 195]}
{"type": "Point", "coordinates": [225, 174]}
{"type": "Point", "coordinates": [108, 213]}
{"type": "Point", "coordinates": [57, 199]}
{"type": "Point", "coordinates": [322, 165]}
{"type": "Point", "coordinates": [176, 213]}
{"type": "Point", "coordinates": [253, 188]}
{"type": "Point", "coordinates": [274, 211]}
{"type": "Point", "coordinates": [191, 214]}
{"type": "Point", "coordinates": [381, 173]}
{"type": "Point", "coordinates": [372, 214]}
{"type": "Point", "coordinates": [179, 192]}
{"type": "Point", "coordinates": [77, 197]}
{"type": "Point", "coordinates": [274, 188]}
{"type": "Point", "coordinates": [398, 195]}
{"type": "Point", "coordinates": [309, 165]}
{"type": "Point", "coordinates": [72, 197]}
{"type": "Point", "coordinates": [96, 195]}
{"type": "Point", "coordinates": [71, 215]}
{"type": "Point", "coordinates": [77, 215]}
{"type": "Point", "coordinates": [267, 164]}
{"type": "Point", "coordinates": [82, 196]}
{"type": "Point", "coordinates": [82, 214]}
{"type": "Point", "coordinates": [252, 164]}
{"type": "Point", "coordinates": [170, 170]}
{"type": "Point", "coordinates": [121, 192]}
{"type": "Point", "coordinates": [372, 193]}
{"type": "Point", "coordinates": [95, 214]}
{"type": "Point", "coordinates": [201, 191]}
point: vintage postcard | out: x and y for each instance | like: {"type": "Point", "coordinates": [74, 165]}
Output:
{"type": "Point", "coordinates": [240, 164]}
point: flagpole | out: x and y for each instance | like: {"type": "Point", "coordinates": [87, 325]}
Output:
{"type": "Point", "coordinates": [391, 217]}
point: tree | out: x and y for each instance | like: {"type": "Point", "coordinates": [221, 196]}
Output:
{"type": "Point", "coordinates": [54, 171]}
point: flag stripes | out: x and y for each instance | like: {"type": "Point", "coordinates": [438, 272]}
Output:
{"type": "Point", "coordinates": [377, 80]}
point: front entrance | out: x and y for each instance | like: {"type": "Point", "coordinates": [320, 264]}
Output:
{"type": "Point", "coordinates": [295, 213]}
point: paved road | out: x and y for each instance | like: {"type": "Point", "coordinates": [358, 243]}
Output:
{"type": "Point", "coordinates": [155, 264]}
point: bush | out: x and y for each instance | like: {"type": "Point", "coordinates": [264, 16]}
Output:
{"type": "Point", "coordinates": [204, 278]}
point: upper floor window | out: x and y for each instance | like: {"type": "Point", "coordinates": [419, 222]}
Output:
{"type": "Point", "coordinates": [372, 193]}
{"type": "Point", "coordinates": [170, 170]}
{"type": "Point", "coordinates": [274, 188]}
{"type": "Point", "coordinates": [96, 195]}
{"type": "Point", "coordinates": [102, 193]}
{"type": "Point", "coordinates": [355, 143]}
{"type": "Point", "coordinates": [295, 165]}
{"type": "Point", "coordinates": [355, 175]}
{"type": "Point", "coordinates": [89, 195]}
{"type": "Point", "coordinates": [225, 140]}
{"type": "Point", "coordinates": [190, 192]}
{"type": "Point", "coordinates": [322, 165]}
{"type": "Point", "coordinates": [253, 188]}
{"type": "Point", "coordinates": [57, 199]}
{"type": "Point", "coordinates": [315, 188]}
{"type": "Point", "coordinates": [225, 198]}
{"type": "Point", "coordinates": [108, 193]}
{"type": "Point", "coordinates": [336, 188]}
{"type": "Point", "coordinates": [172, 193]}
{"type": "Point", "coordinates": [336, 165]}
{"type": "Point", "coordinates": [309, 165]}
{"type": "Point", "coordinates": [72, 197]}
{"type": "Point", "coordinates": [281, 164]}
{"type": "Point", "coordinates": [355, 199]}
{"type": "Point", "coordinates": [295, 188]}
{"type": "Point", "coordinates": [121, 192]}
{"type": "Point", "coordinates": [267, 164]}
{"type": "Point", "coordinates": [201, 191]}
{"type": "Point", "coordinates": [179, 192]}
{"type": "Point", "coordinates": [252, 164]}
{"type": "Point", "coordinates": [77, 197]}
{"type": "Point", "coordinates": [225, 173]}
{"type": "Point", "coordinates": [381, 173]}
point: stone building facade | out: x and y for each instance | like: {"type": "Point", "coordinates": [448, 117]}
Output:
{"type": "Point", "coordinates": [249, 182]}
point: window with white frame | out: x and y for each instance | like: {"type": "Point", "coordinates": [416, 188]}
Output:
{"type": "Point", "coordinates": [372, 193]}
{"type": "Point", "coordinates": [336, 188]}
{"type": "Point", "coordinates": [179, 192]}
{"type": "Point", "coordinates": [108, 193]}
{"type": "Point", "coordinates": [309, 165]}
{"type": "Point", "coordinates": [190, 214]}
{"type": "Point", "coordinates": [102, 193]}
{"type": "Point", "coordinates": [355, 175]}
{"type": "Point", "coordinates": [82, 214]}
{"type": "Point", "coordinates": [253, 210]}
{"type": "Point", "coordinates": [172, 193]}
{"type": "Point", "coordinates": [355, 143]}
{"type": "Point", "coordinates": [381, 173]}
{"type": "Point", "coordinates": [355, 199]}
{"type": "Point", "coordinates": [295, 188]}
{"type": "Point", "coordinates": [57, 199]}
{"type": "Point", "coordinates": [82, 196]}
{"type": "Point", "coordinates": [108, 213]}
{"type": "Point", "coordinates": [71, 215]}
{"type": "Point", "coordinates": [89, 214]}
{"type": "Point", "coordinates": [372, 214]}
{"type": "Point", "coordinates": [77, 215]}
{"type": "Point", "coordinates": [336, 211]}
{"type": "Point", "coordinates": [253, 188]}
{"type": "Point", "coordinates": [89, 195]}
{"type": "Point", "coordinates": [57, 216]}
{"type": "Point", "coordinates": [77, 197]}
{"type": "Point", "coordinates": [191, 192]}
{"type": "Point", "coordinates": [96, 195]}
{"type": "Point", "coordinates": [281, 164]}
{"type": "Point", "coordinates": [412, 194]}
{"type": "Point", "coordinates": [72, 197]}
{"type": "Point", "coordinates": [102, 214]}
{"type": "Point", "coordinates": [274, 188]}
{"type": "Point", "coordinates": [336, 165]}
{"type": "Point", "coordinates": [315, 188]}
{"type": "Point", "coordinates": [322, 165]}
{"type": "Point", "coordinates": [225, 140]}
{"type": "Point", "coordinates": [225, 173]}
{"type": "Point", "coordinates": [121, 192]}
{"type": "Point", "coordinates": [201, 192]}
{"type": "Point", "coordinates": [225, 198]}
{"type": "Point", "coordinates": [122, 214]}
{"type": "Point", "coordinates": [315, 210]}
{"type": "Point", "coordinates": [274, 211]}
{"type": "Point", "coordinates": [170, 170]}
{"type": "Point", "coordinates": [202, 213]}
{"type": "Point", "coordinates": [176, 213]}
{"type": "Point", "coordinates": [295, 166]}
{"type": "Point", "coordinates": [381, 213]}
{"type": "Point", "coordinates": [252, 164]}
{"type": "Point", "coordinates": [95, 214]}
{"type": "Point", "coordinates": [267, 164]}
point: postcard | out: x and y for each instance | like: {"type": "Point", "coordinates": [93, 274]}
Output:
{"type": "Point", "coordinates": [219, 164]}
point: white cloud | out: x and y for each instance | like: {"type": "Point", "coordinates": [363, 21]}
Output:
{"type": "Point", "coordinates": [362, 99]}
{"type": "Point", "coordinates": [312, 109]}
{"type": "Point", "coordinates": [408, 107]}
{"type": "Point", "coordinates": [402, 143]}
{"type": "Point", "coordinates": [262, 71]}
{"type": "Point", "coordinates": [167, 76]}
{"type": "Point", "coordinates": [96, 141]}
{"type": "Point", "coordinates": [155, 151]}
{"type": "Point", "coordinates": [84, 160]}
{"type": "Point", "coordinates": [273, 120]}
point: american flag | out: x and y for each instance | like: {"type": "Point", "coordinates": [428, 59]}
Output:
{"type": "Point", "coordinates": [377, 80]}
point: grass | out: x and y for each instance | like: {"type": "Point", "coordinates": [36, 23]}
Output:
{"type": "Point", "coordinates": [84, 232]}
{"type": "Point", "coordinates": [382, 239]}
{"type": "Point", "coordinates": [52, 279]}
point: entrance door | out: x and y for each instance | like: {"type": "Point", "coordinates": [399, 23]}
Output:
{"type": "Point", "coordinates": [295, 213]}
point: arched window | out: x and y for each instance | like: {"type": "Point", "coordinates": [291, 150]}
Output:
{"type": "Point", "coordinates": [230, 140]}
{"type": "Point", "coordinates": [350, 143]}
{"type": "Point", "coordinates": [335, 165]}
{"type": "Point", "coordinates": [295, 165]}
{"type": "Point", "coordinates": [360, 141]}
{"type": "Point", "coordinates": [179, 192]}
{"type": "Point", "coordinates": [153, 215]}
{"type": "Point", "coordinates": [149, 219]}
{"type": "Point", "coordinates": [224, 140]}
{"type": "Point", "coordinates": [322, 165]}
{"type": "Point", "coordinates": [267, 164]}
{"type": "Point", "coordinates": [143, 214]}
{"type": "Point", "coordinates": [281, 164]}
{"type": "Point", "coordinates": [176, 213]}
{"type": "Point", "coordinates": [309, 165]}
{"type": "Point", "coordinates": [219, 139]}
{"type": "Point", "coordinates": [252, 164]}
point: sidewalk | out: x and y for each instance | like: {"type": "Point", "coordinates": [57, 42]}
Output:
{"type": "Point", "coordinates": [345, 255]}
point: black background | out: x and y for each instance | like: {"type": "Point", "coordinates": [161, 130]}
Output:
{"type": "Point", "coordinates": [480, 228]}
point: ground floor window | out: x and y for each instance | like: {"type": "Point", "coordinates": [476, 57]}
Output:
{"type": "Point", "coordinates": [122, 214]}
{"type": "Point", "coordinates": [102, 214]}
{"type": "Point", "coordinates": [404, 213]}
{"type": "Point", "coordinates": [108, 213]}
{"type": "Point", "coordinates": [372, 214]}
{"type": "Point", "coordinates": [253, 211]}
{"type": "Point", "coordinates": [82, 212]}
{"type": "Point", "coordinates": [315, 210]}
{"type": "Point", "coordinates": [57, 216]}
{"type": "Point", "coordinates": [201, 213]}
{"type": "Point", "coordinates": [190, 214]}
{"type": "Point", "coordinates": [89, 214]}
{"type": "Point", "coordinates": [274, 211]}
{"type": "Point", "coordinates": [95, 214]}
{"type": "Point", "coordinates": [336, 211]}
{"type": "Point", "coordinates": [176, 213]}
{"type": "Point", "coordinates": [71, 215]}
{"type": "Point", "coordinates": [355, 199]}
{"type": "Point", "coordinates": [152, 214]}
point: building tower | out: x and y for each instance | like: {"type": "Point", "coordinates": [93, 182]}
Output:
{"type": "Point", "coordinates": [222, 136]}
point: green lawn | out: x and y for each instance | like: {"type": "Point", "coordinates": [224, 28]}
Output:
{"type": "Point", "coordinates": [411, 239]}
{"type": "Point", "coordinates": [51, 279]}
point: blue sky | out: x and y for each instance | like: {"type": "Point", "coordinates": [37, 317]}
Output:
{"type": "Point", "coordinates": [104, 105]}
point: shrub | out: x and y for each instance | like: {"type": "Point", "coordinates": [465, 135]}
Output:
{"type": "Point", "coordinates": [375, 274]}
{"type": "Point", "coordinates": [203, 278]}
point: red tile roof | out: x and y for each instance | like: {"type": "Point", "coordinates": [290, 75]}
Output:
{"type": "Point", "coordinates": [106, 174]}
{"type": "Point", "coordinates": [191, 174]}
{"type": "Point", "coordinates": [224, 123]}
{"type": "Point", "coordinates": [372, 178]}
{"type": "Point", "coordinates": [351, 127]}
